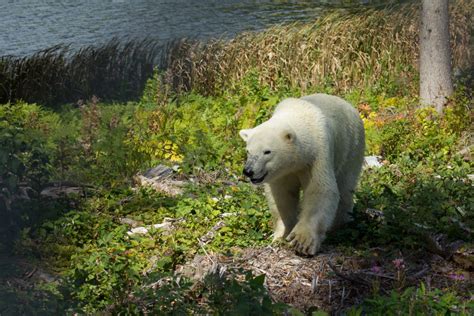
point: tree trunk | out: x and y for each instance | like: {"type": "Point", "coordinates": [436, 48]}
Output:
{"type": "Point", "coordinates": [435, 54]}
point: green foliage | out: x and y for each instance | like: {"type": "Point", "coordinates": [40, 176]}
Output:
{"type": "Point", "coordinates": [26, 132]}
{"type": "Point", "coordinates": [107, 264]}
{"type": "Point", "coordinates": [93, 146]}
{"type": "Point", "coordinates": [230, 297]}
{"type": "Point", "coordinates": [246, 221]}
{"type": "Point", "coordinates": [416, 198]}
{"type": "Point", "coordinates": [104, 273]}
{"type": "Point", "coordinates": [415, 301]}
{"type": "Point", "coordinates": [40, 299]}
{"type": "Point", "coordinates": [422, 188]}
{"type": "Point", "coordinates": [396, 127]}
{"type": "Point", "coordinates": [27, 149]}
{"type": "Point", "coordinates": [202, 132]}
{"type": "Point", "coordinates": [217, 294]}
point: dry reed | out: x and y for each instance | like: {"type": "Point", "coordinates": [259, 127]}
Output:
{"type": "Point", "coordinates": [116, 71]}
{"type": "Point", "coordinates": [340, 50]}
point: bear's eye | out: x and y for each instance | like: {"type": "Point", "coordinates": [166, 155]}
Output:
{"type": "Point", "coordinates": [267, 152]}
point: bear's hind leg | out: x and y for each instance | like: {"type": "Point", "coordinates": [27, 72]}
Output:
{"type": "Point", "coordinates": [283, 196]}
{"type": "Point", "coordinates": [344, 209]}
{"type": "Point", "coordinates": [347, 182]}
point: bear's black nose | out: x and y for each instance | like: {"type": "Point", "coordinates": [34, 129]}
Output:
{"type": "Point", "coordinates": [248, 172]}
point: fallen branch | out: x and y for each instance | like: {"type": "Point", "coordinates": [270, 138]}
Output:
{"type": "Point", "coordinates": [357, 280]}
{"type": "Point", "coordinates": [419, 273]}
{"type": "Point", "coordinates": [380, 275]}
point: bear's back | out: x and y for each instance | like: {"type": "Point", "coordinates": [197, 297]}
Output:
{"type": "Point", "coordinates": [322, 116]}
{"type": "Point", "coordinates": [333, 108]}
{"type": "Point", "coordinates": [314, 109]}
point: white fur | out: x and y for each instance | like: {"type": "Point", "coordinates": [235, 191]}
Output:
{"type": "Point", "coordinates": [314, 144]}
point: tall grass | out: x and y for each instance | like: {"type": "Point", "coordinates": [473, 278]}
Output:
{"type": "Point", "coordinates": [116, 71]}
{"type": "Point", "coordinates": [342, 50]}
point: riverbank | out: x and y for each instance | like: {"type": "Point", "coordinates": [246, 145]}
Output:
{"type": "Point", "coordinates": [338, 52]}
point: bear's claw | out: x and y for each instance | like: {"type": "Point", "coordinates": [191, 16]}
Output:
{"type": "Point", "coordinates": [303, 243]}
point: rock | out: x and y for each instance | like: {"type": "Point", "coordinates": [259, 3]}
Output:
{"type": "Point", "coordinates": [138, 230]}
{"type": "Point", "coordinates": [129, 221]}
{"type": "Point", "coordinates": [161, 179]}
{"type": "Point", "coordinates": [166, 225]}
{"type": "Point", "coordinates": [158, 172]}
{"type": "Point", "coordinates": [466, 152]}
{"type": "Point", "coordinates": [464, 256]}
{"type": "Point", "coordinates": [372, 161]}
{"type": "Point", "coordinates": [375, 214]}
{"type": "Point", "coordinates": [25, 193]}
{"type": "Point", "coordinates": [56, 192]}
{"type": "Point", "coordinates": [46, 277]}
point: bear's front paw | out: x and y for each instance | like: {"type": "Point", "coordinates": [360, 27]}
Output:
{"type": "Point", "coordinates": [305, 241]}
{"type": "Point", "coordinates": [280, 231]}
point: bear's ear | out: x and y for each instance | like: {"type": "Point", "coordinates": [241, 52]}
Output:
{"type": "Point", "coordinates": [289, 136]}
{"type": "Point", "coordinates": [245, 134]}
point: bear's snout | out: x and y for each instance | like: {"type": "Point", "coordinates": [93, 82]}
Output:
{"type": "Point", "coordinates": [248, 172]}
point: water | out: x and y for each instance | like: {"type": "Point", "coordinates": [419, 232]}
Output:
{"type": "Point", "coordinates": [29, 26]}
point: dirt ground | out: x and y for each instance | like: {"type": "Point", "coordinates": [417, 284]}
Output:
{"type": "Point", "coordinates": [332, 280]}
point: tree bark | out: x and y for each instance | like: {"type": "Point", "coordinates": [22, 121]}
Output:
{"type": "Point", "coordinates": [435, 54]}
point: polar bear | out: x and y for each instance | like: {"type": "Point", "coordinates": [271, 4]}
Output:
{"type": "Point", "coordinates": [314, 144]}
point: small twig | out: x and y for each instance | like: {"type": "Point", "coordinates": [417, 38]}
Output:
{"type": "Point", "coordinates": [30, 274]}
{"type": "Point", "coordinates": [314, 283]}
{"type": "Point", "coordinates": [346, 277]}
{"type": "Point", "coordinates": [330, 291]}
{"type": "Point", "coordinates": [343, 294]}
{"type": "Point", "coordinates": [419, 273]}
{"type": "Point", "coordinates": [380, 275]}
{"type": "Point", "coordinates": [211, 233]}
{"type": "Point", "coordinates": [153, 285]}
{"type": "Point", "coordinates": [205, 252]}
{"type": "Point", "coordinates": [261, 270]}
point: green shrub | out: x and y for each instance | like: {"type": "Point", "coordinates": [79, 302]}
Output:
{"type": "Point", "coordinates": [201, 132]}
{"type": "Point", "coordinates": [217, 294]}
{"type": "Point", "coordinates": [26, 156]}
{"type": "Point", "coordinates": [103, 273]}
{"type": "Point", "coordinates": [415, 301]}
{"type": "Point", "coordinates": [399, 128]}
{"type": "Point", "coordinates": [26, 139]}
{"type": "Point", "coordinates": [107, 265]}
{"type": "Point", "coordinates": [415, 199]}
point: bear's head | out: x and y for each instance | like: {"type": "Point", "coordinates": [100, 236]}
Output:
{"type": "Point", "coordinates": [270, 153]}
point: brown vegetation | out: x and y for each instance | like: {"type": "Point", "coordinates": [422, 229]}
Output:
{"type": "Point", "coordinates": [341, 50]}
{"type": "Point", "coordinates": [116, 71]}
{"type": "Point", "coordinates": [332, 281]}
